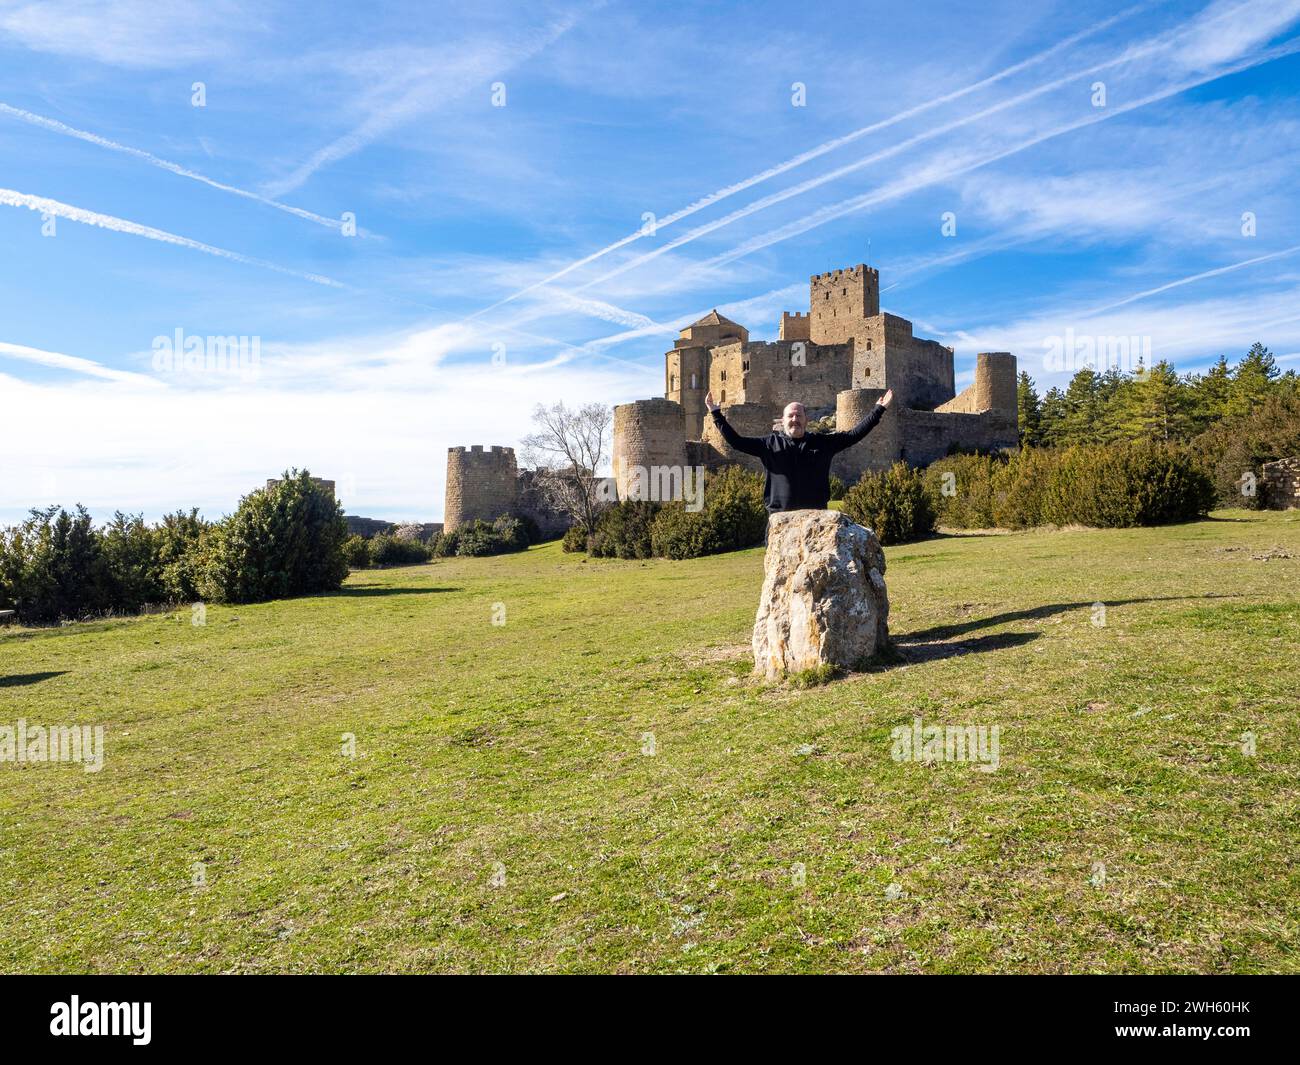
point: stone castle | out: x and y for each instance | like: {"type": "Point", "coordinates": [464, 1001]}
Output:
{"type": "Point", "coordinates": [838, 359]}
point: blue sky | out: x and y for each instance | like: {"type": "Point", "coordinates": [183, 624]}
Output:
{"type": "Point", "coordinates": [501, 257]}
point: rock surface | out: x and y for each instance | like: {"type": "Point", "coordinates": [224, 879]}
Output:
{"type": "Point", "coordinates": [824, 600]}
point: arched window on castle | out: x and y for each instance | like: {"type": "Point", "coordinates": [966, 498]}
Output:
{"type": "Point", "coordinates": [693, 385]}
{"type": "Point", "coordinates": [672, 382]}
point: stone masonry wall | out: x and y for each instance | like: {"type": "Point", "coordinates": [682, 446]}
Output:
{"type": "Point", "coordinates": [879, 450]}
{"type": "Point", "coordinates": [480, 484]}
{"type": "Point", "coordinates": [994, 387]}
{"type": "Point", "coordinates": [1281, 484]}
{"type": "Point", "coordinates": [647, 433]}
{"type": "Point", "coordinates": [840, 300]}
{"type": "Point", "coordinates": [780, 372]}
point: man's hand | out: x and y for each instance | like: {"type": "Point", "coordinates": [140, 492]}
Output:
{"type": "Point", "coordinates": [884, 400]}
{"type": "Point", "coordinates": [708, 402]}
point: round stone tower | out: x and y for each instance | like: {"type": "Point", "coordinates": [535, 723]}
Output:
{"type": "Point", "coordinates": [879, 449]}
{"type": "Point", "coordinates": [481, 483]}
{"type": "Point", "coordinates": [647, 433]}
{"type": "Point", "coordinates": [995, 382]}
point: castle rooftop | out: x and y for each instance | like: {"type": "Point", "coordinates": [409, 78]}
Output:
{"type": "Point", "coordinates": [714, 318]}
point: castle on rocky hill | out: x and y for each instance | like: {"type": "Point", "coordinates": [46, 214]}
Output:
{"type": "Point", "coordinates": [838, 359]}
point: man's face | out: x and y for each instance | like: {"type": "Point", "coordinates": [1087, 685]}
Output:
{"type": "Point", "coordinates": [794, 420]}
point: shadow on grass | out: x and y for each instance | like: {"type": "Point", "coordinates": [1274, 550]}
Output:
{"type": "Point", "coordinates": [19, 680]}
{"type": "Point", "coordinates": [944, 632]}
{"type": "Point", "coordinates": [911, 654]}
{"type": "Point", "coordinates": [379, 589]}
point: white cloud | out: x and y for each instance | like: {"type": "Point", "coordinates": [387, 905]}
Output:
{"type": "Point", "coordinates": [130, 33]}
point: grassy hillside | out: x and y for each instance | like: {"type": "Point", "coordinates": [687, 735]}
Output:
{"type": "Point", "coordinates": [500, 814]}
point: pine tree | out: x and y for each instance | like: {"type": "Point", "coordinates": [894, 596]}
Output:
{"type": "Point", "coordinates": [1030, 411]}
{"type": "Point", "coordinates": [1159, 406]}
{"type": "Point", "coordinates": [1082, 408]}
{"type": "Point", "coordinates": [1210, 393]}
{"type": "Point", "coordinates": [1252, 380]}
{"type": "Point", "coordinates": [1051, 430]}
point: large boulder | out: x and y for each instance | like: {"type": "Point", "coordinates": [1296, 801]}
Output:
{"type": "Point", "coordinates": [824, 600]}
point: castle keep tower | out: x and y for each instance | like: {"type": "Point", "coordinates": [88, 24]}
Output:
{"type": "Point", "coordinates": [840, 300]}
{"type": "Point", "coordinates": [480, 484]}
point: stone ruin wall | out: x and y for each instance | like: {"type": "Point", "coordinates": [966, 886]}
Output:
{"type": "Point", "coordinates": [1281, 484]}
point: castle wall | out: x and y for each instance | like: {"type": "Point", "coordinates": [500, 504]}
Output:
{"type": "Point", "coordinates": [530, 502]}
{"type": "Point", "coordinates": [919, 371]}
{"type": "Point", "coordinates": [795, 326]}
{"type": "Point", "coordinates": [929, 435]}
{"type": "Point", "coordinates": [647, 433]}
{"type": "Point", "coordinates": [480, 484]}
{"type": "Point", "coordinates": [779, 372]}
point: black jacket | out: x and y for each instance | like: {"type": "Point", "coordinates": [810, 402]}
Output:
{"type": "Point", "coordinates": [798, 471]}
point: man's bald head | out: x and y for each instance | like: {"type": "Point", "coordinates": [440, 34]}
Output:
{"type": "Point", "coordinates": [794, 420]}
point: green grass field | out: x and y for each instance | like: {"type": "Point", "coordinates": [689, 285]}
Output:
{"type": "Point", "coordinates": [499, 813]}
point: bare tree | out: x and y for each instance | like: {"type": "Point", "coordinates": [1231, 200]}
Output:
{"type": "Point", "coordinates": [567, 450]}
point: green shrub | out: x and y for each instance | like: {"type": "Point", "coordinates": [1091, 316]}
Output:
{"type": "Point", "coordinates": [179, 543]}
{"type": "Point", "coordinates": [444, 545]}
{"type": "Point", "coordinates": [131, 573]}
{"type": "Point", "coordinates": [623, 530]}
{"type": "Point", "coordinates": [1118, 485]}
{"type": "Point", "coordinates": [574, 539]}
{"type": "Point", "coordinates": [894, 504]}
{"type": "Point", "coordinates": [515, 533]}
{"type": "Point", "coordinates": [733, 517]}
{"type": "Point", "coordinates": [356, 549]}
{"type": "Point", "coordinates": [679, 533]}
{"type": "Point", "coordinates": [388, 550]}
{"type": "Point", "coordinates": [960, 488]}
{"type": "Point", "coordinates": [478, 539]}
{"type": "Point", "coordinates": [837, 488]}
{"type": "Point", "coordinates": [282, 541]}
{"type": "Point", "coordinates": [733, 501]}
